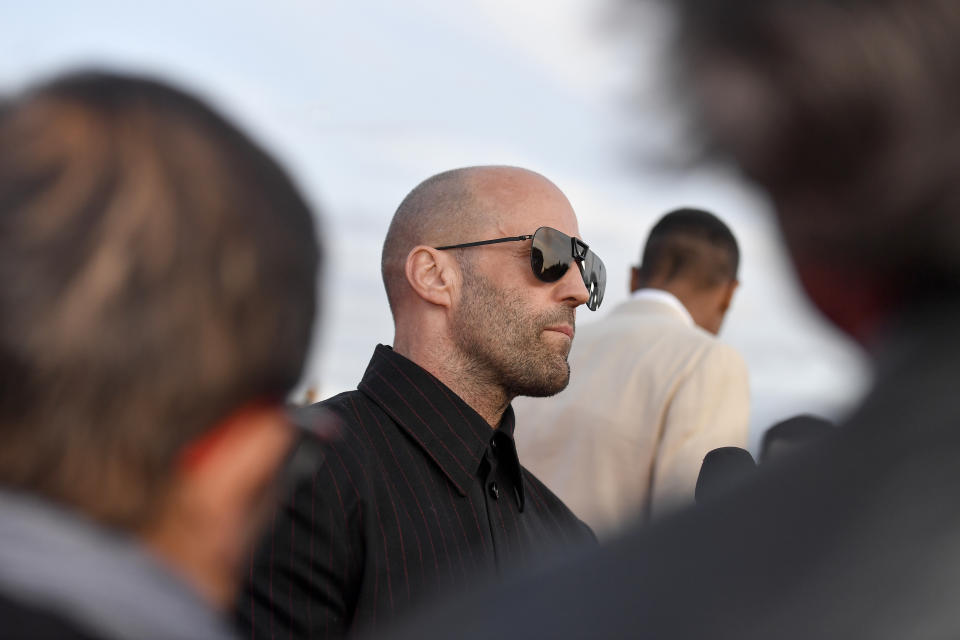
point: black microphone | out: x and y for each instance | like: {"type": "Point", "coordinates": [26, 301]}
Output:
{"type": "Point", "coordinates": [722, 470]}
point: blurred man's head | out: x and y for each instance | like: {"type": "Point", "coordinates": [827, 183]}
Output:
{"type": "Point", "coordinates": [848, 113]}
{"type": "Point", "coordinates": [793, 434]}
{"type": "Point", "coordinates": [692, 254]}
{"type": "Point", "coordinates": [722, 471]}
{"type": "Point", "coordinates": [483, 305]}
{"type": "Point", "coordinates": [157, 292]}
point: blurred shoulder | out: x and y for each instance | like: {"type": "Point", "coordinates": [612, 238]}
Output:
{"type": "Point", "coordinates": [344, 414]}
{"type": "Point", "coordinates": [720, 355]}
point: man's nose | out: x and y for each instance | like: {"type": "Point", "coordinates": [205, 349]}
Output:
{"type": "Point", "coordinates": [571, 288]}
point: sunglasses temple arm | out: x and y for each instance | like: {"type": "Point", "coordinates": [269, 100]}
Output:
{"type": "Point", "coordinates": [483, 242]}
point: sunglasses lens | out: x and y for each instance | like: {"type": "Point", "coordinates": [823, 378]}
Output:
{"type": "Point", "coordinates": [550, 254]}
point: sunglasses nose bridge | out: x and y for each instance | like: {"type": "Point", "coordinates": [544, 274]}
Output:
{"type": "Point", "coordinates": [559, 249]}
{"type": "Point", "coordinates": [581, 290]}
{"type": "Point", "coordinates": [578, 249]}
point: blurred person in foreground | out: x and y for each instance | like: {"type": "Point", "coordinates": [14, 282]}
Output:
{"type": "Point", "coordinates": [157, 289]}
{"type": "Point", "coordinates": [651, 389]}
{"type": "Point", "coordinates": [424, 493]}
{"type": "Point", "coordinates": [848, 114]}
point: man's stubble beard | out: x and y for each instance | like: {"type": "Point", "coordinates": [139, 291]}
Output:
{"type": "Point", "coordinates": [501, 341]}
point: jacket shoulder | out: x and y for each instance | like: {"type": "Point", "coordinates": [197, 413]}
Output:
{"type": "Point", "coordinates": [721, 355]}
{"type": "Point", "coordinates": [348, 412]}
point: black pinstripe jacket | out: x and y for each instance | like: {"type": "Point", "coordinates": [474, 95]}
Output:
{"type": "Point", "coordinates": [417, 495]}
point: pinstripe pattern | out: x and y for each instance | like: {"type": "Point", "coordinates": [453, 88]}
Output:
{"type": "Point", "coordinates": [400, 507]}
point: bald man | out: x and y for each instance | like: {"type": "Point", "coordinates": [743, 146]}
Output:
{"type": "Point", "coordinates": [653, 382]}
{"type": "Point", "coordinates": [484, 271]}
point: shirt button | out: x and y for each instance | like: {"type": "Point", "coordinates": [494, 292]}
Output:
{"type": "Point", "coordinates": [494, 491]}
{"type": "Point", "coordinates": [493, 445]}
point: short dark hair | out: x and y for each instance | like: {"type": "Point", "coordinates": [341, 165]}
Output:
{"type": "Point", "coordinates": [157, 271]}
{"type": "Point", "coordinates": [848, 113]}
{"type": "Point", "coordinates": [690, 244]}
{"type": "Point", "coordinates": [722, 471]}
{"type": "Point", "coordinates": [796, 432]}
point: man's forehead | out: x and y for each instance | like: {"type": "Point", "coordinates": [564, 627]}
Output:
{"type": "Point", "coordinates": [523, 211]}
{"type": "Point", "coordinates": [526, 224]}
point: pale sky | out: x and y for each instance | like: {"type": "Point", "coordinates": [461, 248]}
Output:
{"type": "Point", "coordinates": [362, 99]}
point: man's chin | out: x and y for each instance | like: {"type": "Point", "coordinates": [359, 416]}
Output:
{"type": "Point", "coordinates": [547, 388]}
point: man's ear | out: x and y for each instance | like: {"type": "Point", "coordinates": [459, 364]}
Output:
{"type": "Point", "coordinates": [432, 275]}
{"type": "Point", "coordinates": [727, 297]}
{"type": "Point", "coordinates": [634, 279]}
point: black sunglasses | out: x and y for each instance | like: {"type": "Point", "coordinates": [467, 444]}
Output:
{"type": "Point", "coordinates": [550, 256]}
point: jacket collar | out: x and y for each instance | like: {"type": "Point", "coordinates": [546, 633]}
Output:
{"type": "Point", "coordinates": [664, 301]}
{"type": "Point", "coordinates": [446, 428]}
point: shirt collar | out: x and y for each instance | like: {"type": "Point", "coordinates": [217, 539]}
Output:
{"type": "Point", "coordinates": [446, 428]}
{"type": "Point", "coordinates": [663, 297]}
{"type": "Point", "coordinates": [504, 450]}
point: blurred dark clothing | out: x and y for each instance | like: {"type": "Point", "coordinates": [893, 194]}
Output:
{"type": "Point", "coordinates": [62, 576]}
{"type": "Point", "coordinates": [418, 495]}
{"type": "Point", "coordinates": [18, 621]}
{"type": "Point", "coordinates": [857, 537]}
{"type": "Point", "coordinates": [793, 434]}
{"type": "Point", "coordinates": [722, 471]}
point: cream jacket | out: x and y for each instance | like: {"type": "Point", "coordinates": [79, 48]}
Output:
{"type": "Point", "coordinates": [650, 394]}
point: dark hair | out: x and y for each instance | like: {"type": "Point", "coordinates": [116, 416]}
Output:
{"type": "Point", "coordinates": [157, 271]}
{"type": "Point", "coordinates": [722, 470]}
{"type": "Point", "coordinates": [796, 432]}
{"type": "Point", "coordinates": [690, 244]}
{"type": "Point", "coordinates": [848, 113]}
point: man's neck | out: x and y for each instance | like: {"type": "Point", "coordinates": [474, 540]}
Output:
{"type": "Point", "coordinates": [663, 296]}
{"type": "Point", "coordinates": [472, 383]}
{"type": "Point", "coordinates": [213, 582]}
{"type": "Point", "coordinates": [486, 398]}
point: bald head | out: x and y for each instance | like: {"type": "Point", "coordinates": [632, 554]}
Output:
{"type": "Point", "coordinates": [452, 207]}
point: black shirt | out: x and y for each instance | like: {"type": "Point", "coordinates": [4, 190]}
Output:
{"type": "Point", "coordinates": [855, 537]}
{"type": "Point", "coordinates": [417, 494]}
{"type": "Point", "coordinates": [20, 620]}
